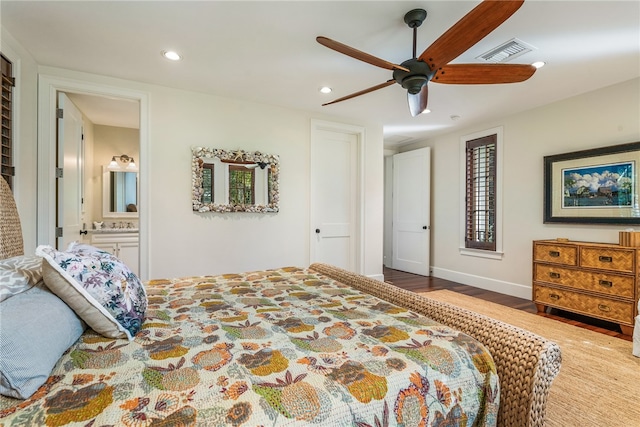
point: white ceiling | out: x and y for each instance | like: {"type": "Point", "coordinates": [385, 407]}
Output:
{"type": "Point", "coordinates": [265, 51]}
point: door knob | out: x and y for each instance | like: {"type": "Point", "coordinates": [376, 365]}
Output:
{"type": "Point", "coordinates": [424, 227]}
{"type": "Point", "coordinates": [83, 232]}
{"type": "Point", "coordinates": [317, 231]}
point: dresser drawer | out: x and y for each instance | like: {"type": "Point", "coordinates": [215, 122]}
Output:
{"type": "Point", "coordinates": [557, 254]}
{"type": "Point", "coordinates": [608, 259]}
{"type": "Point", "coordinates": [604, 283]}
{"type": "Point", "coordinates": [601, 307]}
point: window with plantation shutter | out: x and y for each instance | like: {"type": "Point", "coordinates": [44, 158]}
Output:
{"type": "Point", "coordinates": [481, 168]}
{"type": "Point", "coordinates": [8, 82]}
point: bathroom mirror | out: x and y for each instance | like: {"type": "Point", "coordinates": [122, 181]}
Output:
{"type": "Point", "coordinates": [119, 193]}
{"type": "Point", "coordinates": [234, 181]}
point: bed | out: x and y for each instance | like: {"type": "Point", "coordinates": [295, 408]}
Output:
{"type": "Point", "coordinates": [289, 346]}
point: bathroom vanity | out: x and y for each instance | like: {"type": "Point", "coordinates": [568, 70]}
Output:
{"type": "Point", "coordinates": [121, 242]}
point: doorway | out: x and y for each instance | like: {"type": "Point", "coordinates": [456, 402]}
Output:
{"type": "Point", "coordinates": [336, 235]}
{"type": "Point", "coordinates": [48, 89]}
{"type": "Point", "coordinates": [407, 211]}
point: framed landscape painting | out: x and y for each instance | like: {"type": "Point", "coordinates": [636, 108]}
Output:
{"type": "Point", "coordinates": [598, 186]}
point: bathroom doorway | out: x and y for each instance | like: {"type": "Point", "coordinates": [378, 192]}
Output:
{"type": "Point", "coordinates": [108, 113]}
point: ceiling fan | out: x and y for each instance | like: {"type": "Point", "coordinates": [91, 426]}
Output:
{"type": "Point", "coordinates": [433, 64]}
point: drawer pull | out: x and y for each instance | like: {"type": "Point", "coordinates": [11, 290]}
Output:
{"type": "Point", "coordinates": [554, 275]}
{"type": "Point", "coordinates": [603, 307]}
{"type": "Point", "coordinates": [603, 258]}
{"type": "Point", "coordinates": [554, 254]}
{"type": "Point", "coordinates": [606, 283]}
{"type": "Point", "coordinates": [555, 297]}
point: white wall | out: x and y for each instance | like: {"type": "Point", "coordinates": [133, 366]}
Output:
{"type": "Point", "coordinates": [182, 242]}
{"type": "Point", "coordinates": [597, 119]}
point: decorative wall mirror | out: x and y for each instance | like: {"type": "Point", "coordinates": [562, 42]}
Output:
{"type": "Point", "coordinates": [119, 193]}
{"type": "Point", "coordinates": [234, 181]}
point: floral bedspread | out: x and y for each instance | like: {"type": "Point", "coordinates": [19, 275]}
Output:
{"type": "Point", "coordinates": [269, 348]}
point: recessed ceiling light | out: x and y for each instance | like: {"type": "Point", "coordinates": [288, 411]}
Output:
{"type": "Point", "coordinates": [171, 55]}
{"type": "Point", "coordinates": [539, 64]}
{"type": "Point", "coordinates": [325, 89]}
{"type": "Point", "coordinates": [426, 111]}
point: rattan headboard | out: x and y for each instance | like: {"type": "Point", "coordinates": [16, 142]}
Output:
{"type": "Point", "coordinates": [11, 243]}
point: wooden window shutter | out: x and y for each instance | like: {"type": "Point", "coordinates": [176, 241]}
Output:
{"type": "Point", "coordinates": [7, 169]}
{"type": "Point", "coordinates": [480, 223]}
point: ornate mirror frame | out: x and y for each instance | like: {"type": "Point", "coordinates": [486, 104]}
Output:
{"type": "Point", "coordinates": [269, 162]}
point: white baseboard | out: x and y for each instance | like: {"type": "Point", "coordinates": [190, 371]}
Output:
{"type": "Point", "coordinates": [508, 288]}
{"type": "Point", "coordinates": [378, 277]}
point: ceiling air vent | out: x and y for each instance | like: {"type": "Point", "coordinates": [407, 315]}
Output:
{"type": "Point", "coordinates": [506, 51]}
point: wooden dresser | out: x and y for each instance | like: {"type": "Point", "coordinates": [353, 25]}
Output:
{"type": "Point", "coordinates": [594, 279]}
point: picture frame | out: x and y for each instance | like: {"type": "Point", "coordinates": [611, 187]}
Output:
{"type": "Point", "coordinates": [596, 186]}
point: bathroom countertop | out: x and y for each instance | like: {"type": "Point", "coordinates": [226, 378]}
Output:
{"type": "Point", "coordinates": [113, 230]}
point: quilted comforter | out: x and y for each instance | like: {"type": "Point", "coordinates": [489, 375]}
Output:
{"type": "Point", "coordinates": [268, 348]}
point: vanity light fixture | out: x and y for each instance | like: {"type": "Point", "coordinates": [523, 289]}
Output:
{"type": "Point", "coordinates": [122, 159]}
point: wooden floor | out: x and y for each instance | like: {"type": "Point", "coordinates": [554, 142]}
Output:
{"type": "Point", "coordinates": [415, 283]}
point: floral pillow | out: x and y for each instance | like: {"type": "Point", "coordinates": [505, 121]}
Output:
{"type": "Point", "coordinates": [18, 274]}
{"type": "Point", "coordinates": [99, 287]}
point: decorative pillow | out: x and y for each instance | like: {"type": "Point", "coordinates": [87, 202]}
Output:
{"type": "Point", "coordinates": [18, 274]}
{"type": "Point", "coordinates": [98, 287]}
{"type": "Point", "coordinates": [37, 328]}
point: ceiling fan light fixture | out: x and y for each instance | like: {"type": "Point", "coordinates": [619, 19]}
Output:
{"type": "Point", "coordinates": [539, 64]}
{"type": "Point", "coordinates": [414, 83]}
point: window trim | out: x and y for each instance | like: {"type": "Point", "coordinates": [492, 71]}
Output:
{"type": "Point", "coordinates": [482, 253]}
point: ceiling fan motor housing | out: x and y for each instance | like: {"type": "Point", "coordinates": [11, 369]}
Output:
{"type": "Point", "coordinates": [419, 75]}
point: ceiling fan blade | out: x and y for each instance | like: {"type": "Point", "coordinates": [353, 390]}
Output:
{"type": "Point", "coordinates": [358, 54]}
{"type": "Point", "coordinates": [362, 92]}
{"type": "Point", "coordinates": [482, 74]}
{"type": "Point", "coordinates": [469, 30]}
{"type": "Point", "coordinates": [418, 101]}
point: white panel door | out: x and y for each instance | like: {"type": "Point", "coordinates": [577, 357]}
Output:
{"type": "Point", "coordinates": [70, 158]}
{"type": "Point", "coordinates": [334, 198]}
{"type": "Point", "coordinates": [411, 211]}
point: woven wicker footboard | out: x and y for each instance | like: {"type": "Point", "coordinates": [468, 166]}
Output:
{"type": "Point", "coordinates": [526, 362]}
